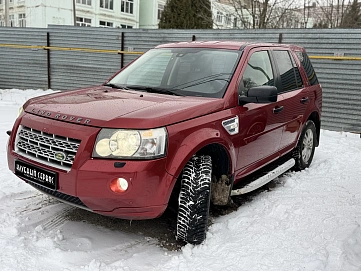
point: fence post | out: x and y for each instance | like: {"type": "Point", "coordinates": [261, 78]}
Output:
{"type": "Point", "coordinates": [194, 38]}
{"type": "Point", "coordinates": [122, 49]}
{"type": "Point", "coordinates": [48, 59]}
{"type": "Point", "coordinates": [280, 38]}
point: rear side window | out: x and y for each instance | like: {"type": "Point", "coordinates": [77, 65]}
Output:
{"type": "Point", "coordinates": [289, 73]}
{"type": "Point", "coordinates": [297, 72]}
{"type": "Point", "coordinates": [306, 63]}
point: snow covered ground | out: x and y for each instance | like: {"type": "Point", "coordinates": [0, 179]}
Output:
{"type": "Point", "coordinates": [309, 221]}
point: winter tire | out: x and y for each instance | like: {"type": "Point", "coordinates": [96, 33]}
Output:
{"type": "Point", "coordinates": [194, 200]}
{"type": "Point", "coordinates": [305, 149]}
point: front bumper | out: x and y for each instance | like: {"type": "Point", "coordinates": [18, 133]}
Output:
{"type": "Point", "coordinates": [89, 179]}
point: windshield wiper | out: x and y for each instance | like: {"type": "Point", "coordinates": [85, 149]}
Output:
{"type": "Point", "coordinates": [202, 80]}
{"type": "Point", "coordinates": [154, 90]}
{"type": "Point", "coordinates": [205, 81]}
{"type": "Point", "coordinates": [116, 86]}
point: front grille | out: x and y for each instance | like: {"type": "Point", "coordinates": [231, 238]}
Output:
{"type": "Point", "coordinates": [46, 148]}
{"type": "Point", "coordinates": [60, 196]}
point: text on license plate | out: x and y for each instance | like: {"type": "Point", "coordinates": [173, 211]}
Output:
{"type": "Point", "coordinates": [37, 175]}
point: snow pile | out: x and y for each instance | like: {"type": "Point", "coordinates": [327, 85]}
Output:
{"type": "Point", "coordinates": [309, 221]}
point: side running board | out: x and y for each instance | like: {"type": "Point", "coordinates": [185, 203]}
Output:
{"type": "Point", "coordinates": [264, 179]}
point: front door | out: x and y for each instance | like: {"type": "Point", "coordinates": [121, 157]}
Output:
{"type": "Point", "coordinates": [260, 124]}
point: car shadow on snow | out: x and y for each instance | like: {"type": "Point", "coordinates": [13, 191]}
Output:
{"type": "Point", "coordinates": [163, 228]}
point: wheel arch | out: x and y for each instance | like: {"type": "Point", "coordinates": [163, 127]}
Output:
{"type": "Point", "coordinates": [221, 160]}
{"type": "Point", "coordinates": [315, 117]}
{"type": "Point", "coordinates": [223, 155]}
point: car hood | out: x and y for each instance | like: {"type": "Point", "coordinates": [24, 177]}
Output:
{"type": "Point", "coordinates": [113, 108]}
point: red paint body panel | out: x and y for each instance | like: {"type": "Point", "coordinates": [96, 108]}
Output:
{"type": "Point", "coordinates": [192, 123]}
{"type": "Point", "coordinates": [89, 179]}
{"type": "Point", "coordinates": [106, 107]}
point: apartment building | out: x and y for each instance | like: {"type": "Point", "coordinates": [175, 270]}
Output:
{"type": "Point", "coordinates": [225, 16]}
{"type": "Point", "coordinates": [104, 13]}
{"type": "Point", "coordinates": [97, 13]}
{"type": "Point", "coordinates": [150, 12]}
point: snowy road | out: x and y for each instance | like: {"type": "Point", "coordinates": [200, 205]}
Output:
{"type": "Point", "coordinates": [309, 221]}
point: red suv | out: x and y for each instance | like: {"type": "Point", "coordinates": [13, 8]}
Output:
{"type": "Point", "coordinates": [191, 121]}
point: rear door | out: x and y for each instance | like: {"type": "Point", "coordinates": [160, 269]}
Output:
{"type": "Point", "coordinates": [294, 96]}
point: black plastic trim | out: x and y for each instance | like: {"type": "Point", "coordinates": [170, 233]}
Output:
{"type": "Point", "coordinates": [61, 196]}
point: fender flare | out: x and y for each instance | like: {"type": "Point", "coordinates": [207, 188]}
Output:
{"type": "Point", "coordinates": [194, 142]}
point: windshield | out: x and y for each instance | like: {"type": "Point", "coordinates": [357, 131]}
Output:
{"type": "Point", "coordinates": [181, 71]}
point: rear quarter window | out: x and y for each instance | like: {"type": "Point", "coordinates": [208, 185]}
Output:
{"type": "Point", "coordinates": [306, 63]}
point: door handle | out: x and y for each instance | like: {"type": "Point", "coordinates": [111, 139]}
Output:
{"type": "Point", "coordinates": [277, 109]}
{"type": "Point", "coordinates": [304, 100]}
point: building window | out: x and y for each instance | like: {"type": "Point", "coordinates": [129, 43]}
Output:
{"type": "Point", "coordinates": [83, 21]}
{"type": "Point", "coordinates": [105, 24]}
{"type": "Point", "coordinates": [126, 26]}
{"type": "Point", "coordinates": [11, 20]}
{"type": "Point", "coordinates": [108, 4]}
{"type": "Point", "coordinates": [84, 2]}
{"type": "Point", "coordinates": [235, 23]}
{"type": "Point", "coordinates": [127, 6]}
{"type": "Point", "coordinates": [219, 17]}
{"type": "Point", "coordinates": [1, 2]}
{"type": "Point", "coordinates": [228, 19]}
{"type": "Point", "coordinates": [22, 21]}
{"type": "Point", "coordinates": [160, 10]}
{"type": "Point", "coordinates": [2, 21]}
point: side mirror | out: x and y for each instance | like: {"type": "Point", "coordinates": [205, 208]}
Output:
{"type": "Point", "coordinates": [261, 94]}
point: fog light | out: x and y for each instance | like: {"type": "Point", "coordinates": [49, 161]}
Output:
{"type": "Point", "coordinates": [119, 185]}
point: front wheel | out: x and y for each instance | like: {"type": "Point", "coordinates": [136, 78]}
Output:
{"type": "Point", "coordinates": [305, 149]}
{"type": "Point", "coordinates": [194, 200]}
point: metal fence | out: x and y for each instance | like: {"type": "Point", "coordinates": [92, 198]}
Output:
{"type": "Point", "coordinates": [22, 67]}
{"type": "Point", "coordinates": [66, 57]}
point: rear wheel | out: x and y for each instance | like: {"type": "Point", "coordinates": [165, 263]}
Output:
{"type": "Point", "coordinates": [194, 200]}
{"type": "Point", "coordinates": [305, 149]}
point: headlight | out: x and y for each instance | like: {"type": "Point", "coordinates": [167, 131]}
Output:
{"type": "Point", "coordinates": [21, 109]}
{"type": "Point", "coordinates": [130, 144]}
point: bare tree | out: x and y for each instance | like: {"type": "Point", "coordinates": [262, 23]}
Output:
{"type": "Point", "coordinates": [263, 13]}
{"type": "Point", "coordinates": [329, 13]}
{"type": "Point", "coordinates": [283, 13]}
{"type": "Point", "coordinates": [289, 13]}
{"type": "Point", "coordinates": [352, 18]}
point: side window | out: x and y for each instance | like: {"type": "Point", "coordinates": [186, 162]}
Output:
{"type": "Point", "coordinates": [258, 72]}
{"type": "Point", "coordinates": [306, 63]}
{"type": "Point", "coordinates": [290, 76]}
{"type": "Point", "coordinates": [297, 73]}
